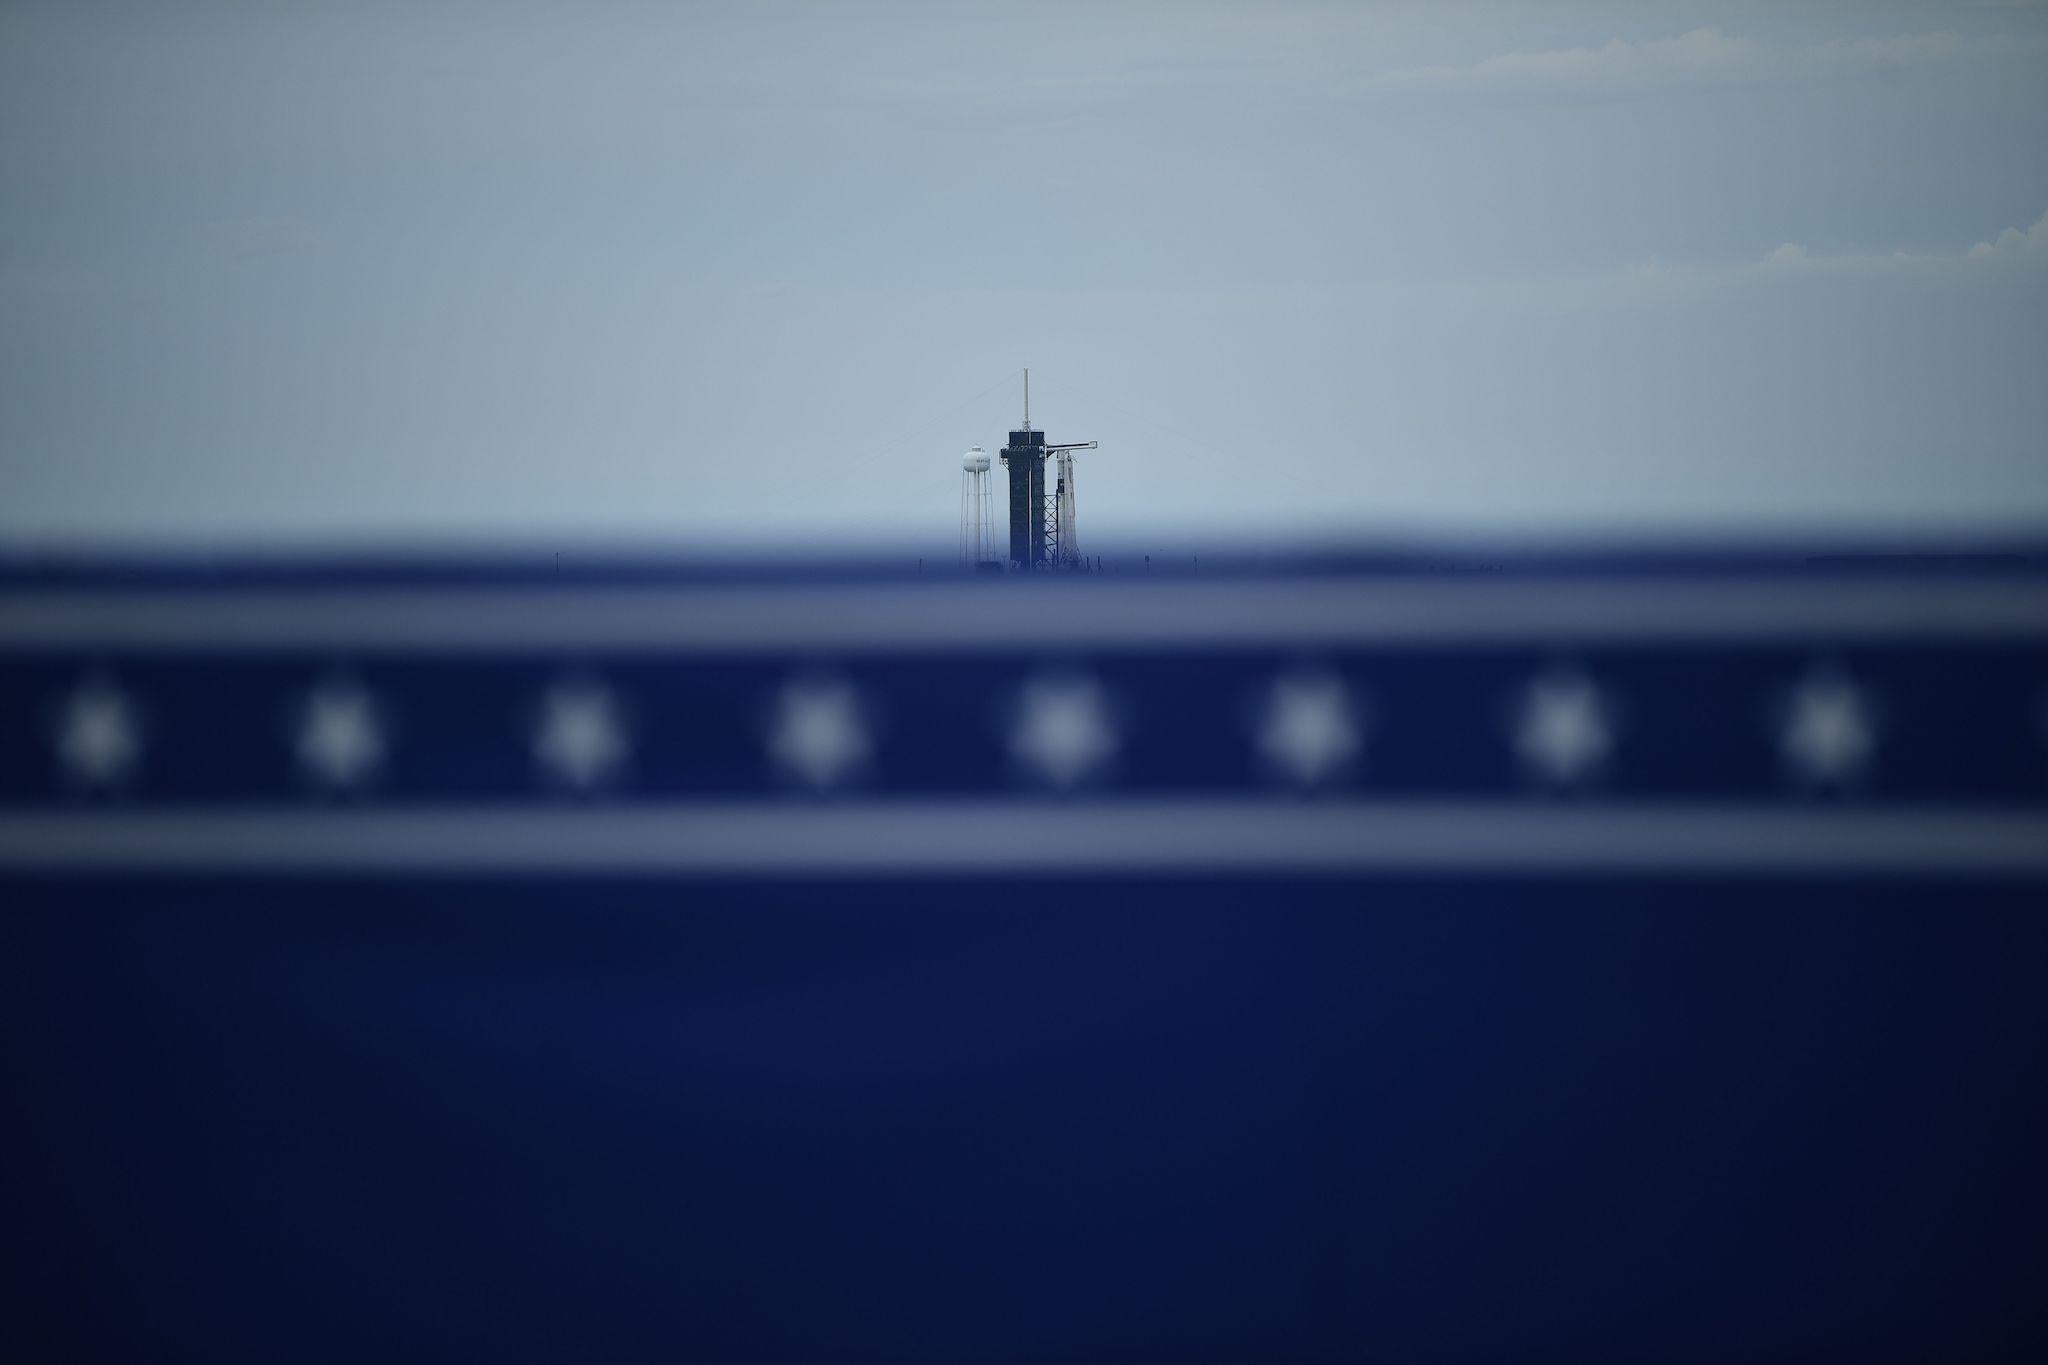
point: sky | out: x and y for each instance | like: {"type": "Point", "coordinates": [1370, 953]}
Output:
{"type": "Point", "coordinates": [696, 275]}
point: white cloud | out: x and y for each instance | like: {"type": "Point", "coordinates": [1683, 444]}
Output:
{"type": "Point", "coordinates": [1704, 56]}
{"type": "Point", "coordinates": [2013, 241]}
{"type": "Point", "coordinates": [2030, 243]}
{"type": "Point", "coordinates": [2021, 245]}
{"type": "Point", "coordinates": [1905, 50]}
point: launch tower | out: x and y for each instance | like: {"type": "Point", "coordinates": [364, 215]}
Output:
{"type": "Point", "coordinates": [1041, 523]}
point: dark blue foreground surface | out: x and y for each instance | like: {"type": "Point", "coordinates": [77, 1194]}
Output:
{"type": "Point", "coordinates": [1586, 1119]}
{"type": "Point", "coordinates": [1590, 962]}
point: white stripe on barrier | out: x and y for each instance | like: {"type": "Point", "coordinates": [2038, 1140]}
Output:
{"type": "Point", "coordinates": [1003, 838]}
{"type": "Point", "coordinates": [1084, 614]}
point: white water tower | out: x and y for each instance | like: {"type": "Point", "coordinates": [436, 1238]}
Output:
{"type": "Point", "coordinates": [977, 512]}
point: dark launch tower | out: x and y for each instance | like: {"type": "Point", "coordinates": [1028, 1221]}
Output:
{"type": "Point", "coordinates": [1024, 457]}
{"type": "Point", "coordinates": [1034, 521]}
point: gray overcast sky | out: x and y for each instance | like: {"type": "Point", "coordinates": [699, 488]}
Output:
{"type": "Point", "coordinates": [760, 271]}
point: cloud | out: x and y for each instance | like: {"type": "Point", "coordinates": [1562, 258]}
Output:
{"type": "Point", "coordinates": [2026, 247]}
{"type": "Point", "coordinates": [1702, 54]}
{"type": "Point", "coordinates": [1905, 50]}
{"type": "Point", "coordinates": [1702, 57]}
{"type": "Point", "coordinates": [2013, 242]}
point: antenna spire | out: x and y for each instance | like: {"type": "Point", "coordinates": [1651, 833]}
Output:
{"type": "Point", "coordinates": [1027, 398]}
